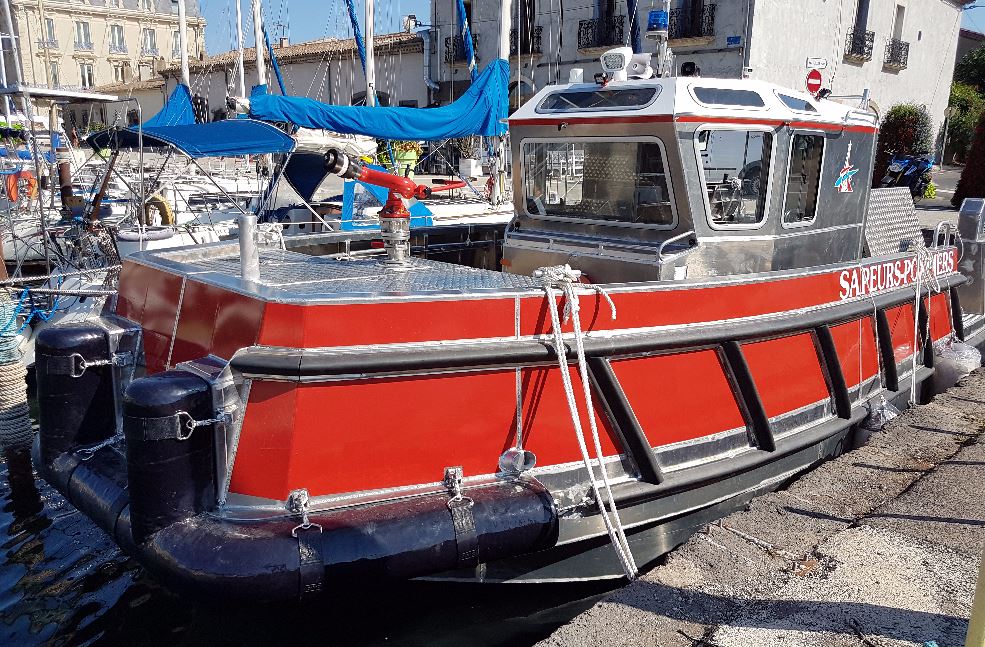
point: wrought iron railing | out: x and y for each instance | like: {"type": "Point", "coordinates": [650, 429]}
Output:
{"type": "Point", "coordinates": [897, 54]}
{"type": "Point", "coordinates": [690, 21]}
{"type": "Point", "coordinates": [117, 48]}
{"type": "Point", "coordinates": [859, 44]}
{"type": "Point", "coordinates": [149, 51]}
{"type": "Point", "coordinates": [47, 43]}
{"type": "Point", "coordinates": [601, 32]}
{"type": "Point", "coordinates": [532, 41]}
{"type": "Point", "coordinates": [455, 49]}
{"type": "Point", "coordinates": [81, 46]}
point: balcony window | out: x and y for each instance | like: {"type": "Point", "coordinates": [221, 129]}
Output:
{"type": "Point", "coordinates": [897, 55]}
{"type": "Point", "coordinates": [83, 40]}
{"type": "Point", "coordinates": [53, 75]}
{"type": "Point", "coordinates": [87, 80]}
{"type": "Point", "coordinates": [117, 40]}
{"type": "Point", "coordinates": [530, 43]}
{"type": "Point", "coordinates": [692, 20]}
{"type": "Point", "coordinates": [859, 44]}
{"type": "Point", "coordinates": [175, 44]}
{"type": "Point", "coordinates": [149, 42]}
{"type": "Point", "coordinates": [48, 41]}
{"type": "Point", "coordinates": [607, 31]}
{"type": "Point", "coordinates": [455, 49]}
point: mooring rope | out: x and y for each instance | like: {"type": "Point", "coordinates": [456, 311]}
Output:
{"type": "Point", "coordinates": [15, 415]}
{"type": "Point", "coordinates": [561, 279]}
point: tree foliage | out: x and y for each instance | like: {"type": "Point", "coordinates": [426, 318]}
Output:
{"type": "Point", "coordinates": [907, 129]}
{"type": "Point", "coordinates": [967, 105]}
{"type": "Point", "coordinates": [972, 182]}
{"type": "Point", "coordinates": [971, 69]}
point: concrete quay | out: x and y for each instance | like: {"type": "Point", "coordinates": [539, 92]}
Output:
{"type": "Point", "coordinates": [877, 548]}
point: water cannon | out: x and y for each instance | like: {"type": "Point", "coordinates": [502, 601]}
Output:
{"type": "Point", "coordinates": [394, 217]}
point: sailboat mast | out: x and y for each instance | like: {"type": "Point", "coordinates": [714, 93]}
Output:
{"type": "Point", "coordinates": [258, 39]}
{"type": "Point", "coordinates": [239, 50]}
{"type": "Point", "coordinates": [499, 143]}
{"type": "Point", "coordinates": [183, 42]}
{"type": "Point", "coordinates": [370, 62]}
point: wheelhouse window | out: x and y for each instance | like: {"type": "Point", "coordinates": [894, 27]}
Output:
{"type": "Point", "coordinates": [728, 97]}
{"type": "Point", "coordinates": [803, 179]}
{"type": "Point", "coordinates": [735, 165]}
{"type": "Point", "coordinates": [621, 181]}
{"type": "Point", "coordinates": [601, 99]}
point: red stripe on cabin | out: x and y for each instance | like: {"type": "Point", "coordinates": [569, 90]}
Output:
{"type": "Point", "coordinates": [787, 373]}
{"type": "Point", "coordinates": [578, 121]}
{"type": "Point", "coordinates": [900, 321]}
{"type": "Point", "coordinates": [775, 123]}
{"type": "Point", "coordinates": [939, 310]}
{"type": "Point", "coordinates": [380, 433]}
{"type": "Point", "coordinates": [679, 397]}
{"type": "Point", "coordinates": [855, 343]}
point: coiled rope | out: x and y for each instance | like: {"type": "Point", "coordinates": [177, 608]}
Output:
{"type": "Point", "coordinates": [561, 279]}
{"type": "Point", "coordinates": [15, 414]}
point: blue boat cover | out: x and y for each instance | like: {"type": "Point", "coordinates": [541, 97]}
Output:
{"type": "Point", "coordinates": [228, 138]}
{"type": "Point", "coordinates": [480, 111]}
{"type": "Point", "coordinates": [177, 111]}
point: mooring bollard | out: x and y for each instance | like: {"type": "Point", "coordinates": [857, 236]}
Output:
{"type": "Point", "coordinates": [976, 626]}
{"type": "Point", "coordinates": [15, 414]}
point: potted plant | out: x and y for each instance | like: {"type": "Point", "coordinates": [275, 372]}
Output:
{"type": "Point", "coordinates": [405, 156]}
{"type": "Point", "coordinates": [468, 163]}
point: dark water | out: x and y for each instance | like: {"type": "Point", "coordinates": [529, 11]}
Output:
{"type": "Point", "coordinates": [63, 582]}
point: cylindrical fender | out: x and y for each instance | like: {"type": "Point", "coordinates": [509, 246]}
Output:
{"type": "Point", "coordinates": [170, 460]}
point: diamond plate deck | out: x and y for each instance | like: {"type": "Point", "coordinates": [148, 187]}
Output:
{"type": "Point", "coordinates": [306, 276]}
{"type": "Point", "coordinates": [892, 226]}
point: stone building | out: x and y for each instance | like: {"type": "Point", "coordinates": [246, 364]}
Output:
{"type": "Point", "coordinates": [328, 70]}
{"type": "Point", "coordinates": [900, 50]}
{"type": "Point", "coordinates": [83, 44]}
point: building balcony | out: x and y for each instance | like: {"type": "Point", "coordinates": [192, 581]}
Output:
{"type": "Point", "coordinates": [897, 55]}
{"type": "Point", "coordinates": [532, 42]}
{"type": "Point", "coordinates": [691, 22]}
{"type": "Point", "coordinates": [858, 45]}
{"type": "Point", "coordinates": [117, 48]}
{"type": "Point", "coordinates": [608, 31]}
{"type": "Point", "coordinates": [47, 43]}
{"type": "Point", "coordinates": [149, 51]}
{"type": "Point", "coordinates": [83, 46]}
{"type": "Point", "coordinates": [455, 49]}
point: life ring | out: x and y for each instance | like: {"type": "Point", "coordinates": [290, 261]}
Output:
{"type": "Point", "coordinates": [163, 208]}
{"type": "Point", "coordinates": [13, 185]}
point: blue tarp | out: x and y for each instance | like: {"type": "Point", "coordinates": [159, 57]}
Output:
{"type": "Point", "coordinates": [229, 138]}
{"type": "Point", "coordinates": [479, 111]}
{"type": "Point", "coordinates": [177, 111]}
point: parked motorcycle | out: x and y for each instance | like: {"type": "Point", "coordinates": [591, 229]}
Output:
{"type": "Point", "coordinates": [911, 171]}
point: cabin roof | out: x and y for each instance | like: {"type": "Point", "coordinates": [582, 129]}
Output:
{"type": "Point", "coordinates": [678, 98]}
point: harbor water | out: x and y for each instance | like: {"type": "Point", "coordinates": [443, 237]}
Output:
{"type": "Point", "coordinates": [64, 582]}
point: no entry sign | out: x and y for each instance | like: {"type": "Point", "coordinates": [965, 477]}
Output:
{"type": "Point", "coordinates": [814, 81]}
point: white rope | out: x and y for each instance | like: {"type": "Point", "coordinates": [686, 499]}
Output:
{"type": "Point", "coordinates": [563, 279]}
{"type": "Point", "coordinates": [924, 260]}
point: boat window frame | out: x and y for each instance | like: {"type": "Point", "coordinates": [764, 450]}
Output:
{"type": "Point", "coordinates": [773, 131]}
{"type": "Point", "coordinates": [658, 90]}
{"type": "Point", "coordinates": [727, 106]}
{"type": "Point", "coordinates": [786, 178]}
{"type": "Point", "coordinates": [610, 223]}
{"type": "Point", "coordinates": [779, 95]}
